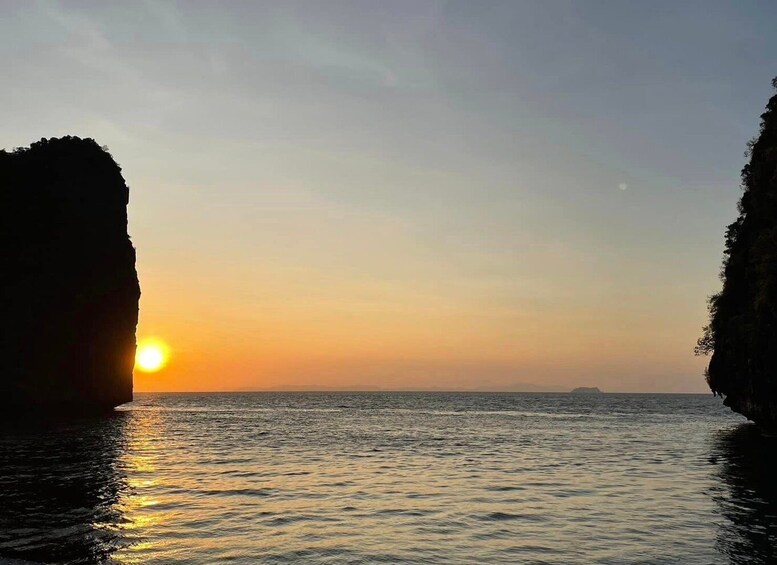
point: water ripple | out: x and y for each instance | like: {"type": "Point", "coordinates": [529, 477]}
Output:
{"type": "Point", "coordinates": [391, 478]}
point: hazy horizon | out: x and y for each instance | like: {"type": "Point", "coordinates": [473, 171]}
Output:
{"type": "Point", "coordinates": [410, 195]}
{"type": "Point", "coordinates": [533, 389]}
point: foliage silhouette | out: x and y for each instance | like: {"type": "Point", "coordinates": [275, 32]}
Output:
{"type": "Point", "coordinates": [742, 332]}
{"type": "Point", "coordinates": [68, 286]}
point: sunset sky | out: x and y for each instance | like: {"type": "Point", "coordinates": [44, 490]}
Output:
{"type": "Point", "coordinates": [410, 194]}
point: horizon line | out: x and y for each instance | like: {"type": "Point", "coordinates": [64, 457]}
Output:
{"type": "Point", "coordinates": [381, 390]}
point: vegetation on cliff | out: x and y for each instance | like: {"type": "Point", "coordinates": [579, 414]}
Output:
{"type": "Point", "coordinates": [742, 332]}
{"type": "Point", "coordinates": [68, 286]}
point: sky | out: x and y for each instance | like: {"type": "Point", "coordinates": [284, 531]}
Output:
{"type": "Point", "coordinates": [410, 195]}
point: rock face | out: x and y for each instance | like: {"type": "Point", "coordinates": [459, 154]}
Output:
{"type": "Point", "coordinates": [742, 333]}
{"type": "Point", "coordinates": [68, 287]}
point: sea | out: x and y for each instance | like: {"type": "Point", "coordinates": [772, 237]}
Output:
{"type": "Point", "coordinates": [391, 477]}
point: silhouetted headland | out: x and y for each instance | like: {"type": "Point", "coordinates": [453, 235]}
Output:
{"type": "Point", "coordinates": [742, 333]}
{"type": "Point", "coordinates": [68, 288]}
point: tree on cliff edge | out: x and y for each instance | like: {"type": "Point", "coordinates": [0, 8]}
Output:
{"type": "Point", "coordinates": [742, 332]}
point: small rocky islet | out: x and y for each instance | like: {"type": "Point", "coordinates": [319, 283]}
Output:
{"type": "Point", "coordinates": [586, 390]}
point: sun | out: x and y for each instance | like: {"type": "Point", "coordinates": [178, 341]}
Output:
{"type": "Point", "coordinates": [152, 355]}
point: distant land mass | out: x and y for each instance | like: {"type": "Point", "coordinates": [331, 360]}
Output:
{"type": "Point", "coordinates": [586, 390]}
{"type": "Point", "coordinates": [68, 287]}
{"type": "Point", "coordinates": [316, 388]}
{"type": "Point", "coordinates": [515, 387]}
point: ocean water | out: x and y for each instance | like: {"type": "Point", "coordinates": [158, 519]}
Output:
{"type": "Point", "coordinates": [391, 478]}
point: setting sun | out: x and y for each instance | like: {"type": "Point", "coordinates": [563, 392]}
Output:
{"type": "Point", "coordinates": [151, 355]}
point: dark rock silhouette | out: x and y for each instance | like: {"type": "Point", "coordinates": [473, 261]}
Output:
{"type": "Point", "coordinates": [68, 286]}
{"type": "Point", "coordinates": [742, 333]}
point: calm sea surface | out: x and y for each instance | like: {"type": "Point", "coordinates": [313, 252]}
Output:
{"type": "Point", "coordinates": [391, 478]}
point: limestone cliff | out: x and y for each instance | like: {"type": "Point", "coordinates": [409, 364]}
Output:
{"type": "Point", "coordinates": [742, 333]}
{"type": "Point", "coordinates": [68, 287]}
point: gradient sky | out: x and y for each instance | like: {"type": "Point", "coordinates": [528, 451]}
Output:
{"type": "Point", "coordinates": [410, 194]}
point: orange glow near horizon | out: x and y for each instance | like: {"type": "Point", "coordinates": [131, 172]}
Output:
{"type": "Point", "coordinates": [271, 327]}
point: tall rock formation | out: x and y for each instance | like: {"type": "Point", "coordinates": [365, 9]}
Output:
{"type": "Point", "coordinates": [742, 333]}
{"type": "Point", "coordinates": [68, 287]}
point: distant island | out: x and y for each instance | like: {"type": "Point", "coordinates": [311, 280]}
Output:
{"type": "Point", "coordinates": [69, 290]}
{"type": "Point", "coordinates": [586, 390]}
{"type": "Point", "coordinates": [511, 387]}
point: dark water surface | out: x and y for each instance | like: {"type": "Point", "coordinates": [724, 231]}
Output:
{"type": "Point", "coordinates": [392, 478]}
